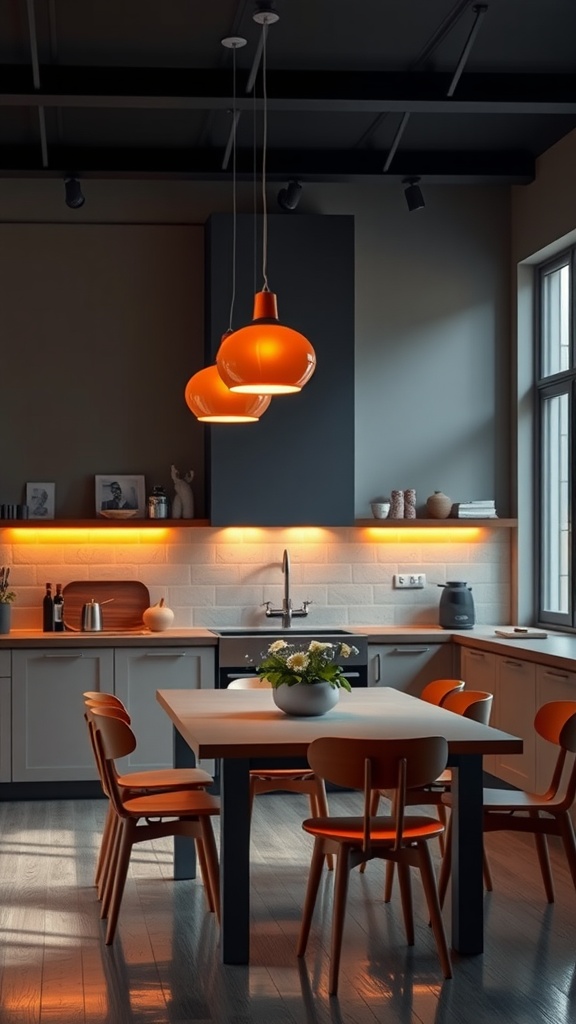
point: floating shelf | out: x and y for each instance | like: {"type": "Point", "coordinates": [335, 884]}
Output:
{"type": "Point", "coordinates": [143, 524]}
{"type": "Point", "coordinates": [91, 524]}
{"type": "Point", "coordinates": [443, 524]}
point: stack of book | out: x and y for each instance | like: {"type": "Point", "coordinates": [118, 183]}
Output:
{"type": "Point", "coordinates": [475, 510]}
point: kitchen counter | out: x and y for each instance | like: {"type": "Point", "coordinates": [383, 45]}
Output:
{"type": "Point", "coordinates": [557, 650]}
{"type": "Point", "coordinates": [28, 638]}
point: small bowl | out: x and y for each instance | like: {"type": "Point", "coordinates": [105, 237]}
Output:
{"type": "Point", "coordinates": [380, 509]}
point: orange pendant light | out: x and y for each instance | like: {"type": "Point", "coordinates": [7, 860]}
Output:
{"type": "Point", "coordinates": [206, 394]}
{"type": "Point", "coordinates": [212, 402]}
{"type": "Point", "coordinates": [265, 357]}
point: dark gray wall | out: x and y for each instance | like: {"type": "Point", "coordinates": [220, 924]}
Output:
{"type": "Point", "coordinates": [102, 325]}
{"type": "Point", "coordinates": [432, 324]}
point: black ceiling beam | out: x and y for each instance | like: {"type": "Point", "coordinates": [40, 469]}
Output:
{"type": "Point", "coordinates": [306, 165]}
{"type": "Point", "coordinates": [312, 91]}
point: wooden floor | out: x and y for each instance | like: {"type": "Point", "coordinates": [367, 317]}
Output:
{"type": "Point", "coordinates": [164, 969]}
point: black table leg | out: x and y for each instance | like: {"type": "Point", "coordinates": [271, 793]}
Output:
{"type": "Point", "coordinates": [467, 846]}
{"type": "Point", "coordinates": [235, 861]}
{"type": "Point", "coordinates": [184, 848]}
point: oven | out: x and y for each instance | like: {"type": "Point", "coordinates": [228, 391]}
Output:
{"type": "Point", "coordinates": [241, 651]}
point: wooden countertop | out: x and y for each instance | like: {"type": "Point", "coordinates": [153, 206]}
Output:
{"type": "Point", "coordinates": [22, 638]}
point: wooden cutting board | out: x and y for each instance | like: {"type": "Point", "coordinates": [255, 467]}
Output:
{"type": "Point", "coordinates": [124, 613]}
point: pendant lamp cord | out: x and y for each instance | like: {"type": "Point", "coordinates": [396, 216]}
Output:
{"type": "Point", "coordinates": [234, 122]}
{"type": "Point", "coordinates": [264, 147]}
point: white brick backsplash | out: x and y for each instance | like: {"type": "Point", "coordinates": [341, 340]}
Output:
{"type": "Point", "coordinates": [213, 577]}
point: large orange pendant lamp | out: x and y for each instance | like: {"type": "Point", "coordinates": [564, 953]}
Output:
{"type": "Point", "coordinates": [266, 357]}
{"type": "Point", "coordinates": [206, 394]}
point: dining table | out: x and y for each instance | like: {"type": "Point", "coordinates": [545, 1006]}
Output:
{"type": "Point", "coordinates": [237, 726]}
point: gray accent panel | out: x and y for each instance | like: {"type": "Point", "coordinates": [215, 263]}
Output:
{"type": "Point", "coordinates": [296, 465]}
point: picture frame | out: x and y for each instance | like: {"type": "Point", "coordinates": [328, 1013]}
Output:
{"type": "Point", "coordinates": [120, 495]}
{"type": "Point", "coordinates": [40, 499]}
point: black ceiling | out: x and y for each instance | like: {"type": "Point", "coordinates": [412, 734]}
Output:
{"type": "Point", "coordinates": [447, 90]}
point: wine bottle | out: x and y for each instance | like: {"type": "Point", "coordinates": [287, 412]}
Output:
{"type": "Point", "coordinates": [48, 610]}
{"type": "Point", "coordinates": [58, 610]}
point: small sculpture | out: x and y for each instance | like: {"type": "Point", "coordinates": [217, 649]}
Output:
{"type": "Point", "coordinates": [183, 504]}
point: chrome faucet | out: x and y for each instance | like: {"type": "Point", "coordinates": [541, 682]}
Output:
{"type": "Point", "coordinates": [287, 612]}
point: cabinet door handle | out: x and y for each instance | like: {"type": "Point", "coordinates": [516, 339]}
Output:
{"type": "Point", "coordinates": [513, 664]}
{"type": "Point", "coordinates": [556, 675]}
{"type": "Point", "coordinates": [410, 650]}
{"type": "Point", "coordinates": [476, 654]}
{"type": "Point", "coordinates": [165, 654]}
{"type": "Point", "coordinates": [378, 674]}
{"type": "Point", "coordinates": [76, 654]}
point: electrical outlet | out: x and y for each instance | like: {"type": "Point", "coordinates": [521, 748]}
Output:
{"type": "Point", "coordinates": [409, 581]}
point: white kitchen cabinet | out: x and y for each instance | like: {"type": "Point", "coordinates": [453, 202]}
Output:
{"type": "Point", "coordinates": [478, 670]}
{"type": "Point", "coordinates": [50, 739]}
{"type": "Point", "coordinates": [515, 707]}
{"type": "Point", "coordinates": [5, 717]}
{"type": "Point", "coordinates": [409, 667]}
{"type": "Point", "coordinates": [551, 684]}
{"type": "Point", "coordinates": [139, 673]}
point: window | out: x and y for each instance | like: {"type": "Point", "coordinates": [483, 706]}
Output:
{"type": "Point", "coordinates": [556, 395]}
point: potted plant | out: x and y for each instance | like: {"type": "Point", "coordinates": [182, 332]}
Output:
{"type": "Point", "coordinates": [6, 598]}
{"type": "Point", "coordinates": [305, 680]}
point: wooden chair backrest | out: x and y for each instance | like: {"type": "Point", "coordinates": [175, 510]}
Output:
{"type": "Point", "coordinates": [393, 765]}
{"type": "Point", "coordinates": [556, 722]}
{"type": "Point", "coordinates": [249, 683]}
{"type": "Point", "coordinates": [436, 691]}
{"type": "Point", "coordinates": [113, 738]}
{"type": "Point", "coordinates": [342, 761]}
{"type": "Point", "coordinates": [474, 704]}
{"type": "Point", "coordinates": [99, 697]}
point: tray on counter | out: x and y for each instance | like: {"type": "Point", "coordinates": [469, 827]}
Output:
{"type": "Point", "coordinates": [130, 599]}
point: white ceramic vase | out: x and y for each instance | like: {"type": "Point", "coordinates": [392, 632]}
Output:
{"type": "Point", "coordinates": [306, 699]}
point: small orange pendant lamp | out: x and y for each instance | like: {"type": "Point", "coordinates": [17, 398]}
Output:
{"type": "Point", "coordinates": [212, 402]}
{"type": "Point", "coordinates": [206, 394]}
{"type": "Point", "coordinates": [266, 357]}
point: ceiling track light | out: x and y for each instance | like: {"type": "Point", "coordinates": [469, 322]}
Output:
{"type": "Point", "coordinates": [413, 194]}
{"type": "Point", "coordinates": [265, 357]}
{"type": "Point", "coordinates": [73, 192]}
{"type": "Point", "coordinates": [289, 197]}
{"type": "Point", "coordinates": [206, 394]}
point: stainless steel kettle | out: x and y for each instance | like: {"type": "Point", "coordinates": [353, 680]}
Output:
{"type": "Point", "coordinates": [92, 616]}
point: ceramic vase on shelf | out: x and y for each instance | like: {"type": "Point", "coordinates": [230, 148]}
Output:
{"type": "Point", "coordinates": [397, 505]}
{"type": "Point", "coordinates": [410, 503]}
{"type": "Point", "coordinates": [306, 699]}
{"type": "Point", "coordinates": [438, 505]}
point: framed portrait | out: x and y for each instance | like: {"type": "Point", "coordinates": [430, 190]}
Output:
{"type": "Point", "coordinates": [40, 498]}
{"type": "Point", "coordinates": [120, 496]}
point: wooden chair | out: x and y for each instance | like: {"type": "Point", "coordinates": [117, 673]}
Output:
{"type": "Point", "coordinates": [474, 704]}
{"type": "Point", "coordinates": [286, 780]}
{"type": "Point", "coordinates": [396, 765]}
{"type": "Point", "coordinates": [542, 814]}
{"type": "Point", "coordinates": [142, 818]}
{"type": "Point", "coordinates": [436, 691]}
{"type": "Point", "coordinates": [133, 783]}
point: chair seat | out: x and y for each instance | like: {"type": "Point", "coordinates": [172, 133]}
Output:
{"type": "Point", "coordinates": [172, 805]}
{"type": "Point", "coordinates": [382, 829]}
{"type": "Point", "coordinates": [169, 778]}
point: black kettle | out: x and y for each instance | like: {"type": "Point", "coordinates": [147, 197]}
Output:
{"type": "Point", "coordinates": [456, 606]}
